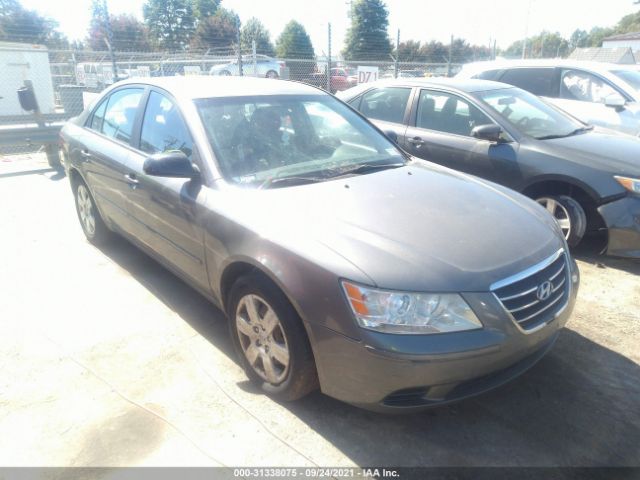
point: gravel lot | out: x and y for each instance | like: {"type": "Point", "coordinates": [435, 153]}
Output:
{"type": "Point", "coordinates": [106, 359]}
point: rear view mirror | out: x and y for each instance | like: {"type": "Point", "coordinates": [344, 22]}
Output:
{"type": "Point", "coordinates": [391, 135]}
{"type": "Point", "coordinates": [615, 100]}
{"type": "Point", "coordinates": [170, 164]}
{"type": "Point", "coordinates": [27, 99]}
{"type": "Point", "coordinates": [490, 132]}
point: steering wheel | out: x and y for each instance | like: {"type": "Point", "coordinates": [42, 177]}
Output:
{"type": "Point", "coordinates": [523, 122]}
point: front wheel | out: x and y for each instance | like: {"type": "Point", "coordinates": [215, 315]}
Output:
{"type": "Point", "coordinates": [270, 339]}
{"type": "Point", "coordinates": [569, 214]}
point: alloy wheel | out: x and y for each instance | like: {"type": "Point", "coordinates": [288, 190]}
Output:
{"type": "Point", "coordinates": [559, 212]}
{"type": "Point", "coordinates": [262, 339]}
{"type": "Point", "coordinates": [85, 210]}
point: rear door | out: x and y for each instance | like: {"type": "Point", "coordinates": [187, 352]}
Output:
{"type": "Point", "coordinates": [167, 210]}
{"type": "Point", "coordinates": [440, 131]}
{"type": "Point", "coordinates": [388, 108]}
{"type": "Point", "coordinates": [106, 149]}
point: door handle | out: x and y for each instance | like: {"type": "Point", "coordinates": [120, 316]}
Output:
{"type": "Point", "coordinates": [86, 155]}
{"type": "Point", "coordinates": [131, 179]}
{"type": "Point", "coordinates": [417, 141]}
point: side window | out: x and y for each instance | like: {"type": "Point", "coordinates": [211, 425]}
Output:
{"type": "Point", "coordinates": [488, 75]}
{"type": "Point", "coordinates": [120, 114]}
{"type": "Point", "coordinates": [355, 103]}
{"type": "Point", "coordinates": [448, 113]}
{"type": "Point", "coordinates": [539, 81]}
{"type": "Point", "coordinates": [98, 117]}
{"type": "Point", "coordinates": [163, 129]}
{"type": "Point", "coordinates": [583, 86]}
{"type": "Point", "coordinates": [387, 104]}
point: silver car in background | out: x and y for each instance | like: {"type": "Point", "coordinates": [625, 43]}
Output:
{"type": "Point", "coordinates": [603, 94]}
{"type": "Point", "coordinates": [263, 67]}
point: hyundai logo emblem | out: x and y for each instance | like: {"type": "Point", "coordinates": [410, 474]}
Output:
{"type": "Point", "coordinates": [544, 291]}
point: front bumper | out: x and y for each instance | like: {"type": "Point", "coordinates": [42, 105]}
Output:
{"type": "Point", "coordinates": [622, 218]}
{"type": "Point", "coordinates": [400, 373]}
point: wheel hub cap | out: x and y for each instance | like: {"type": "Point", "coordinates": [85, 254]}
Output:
{"type": "Point", "coordinates": [559, 212]}
{"type": "Point", "coordinates": [262, 339]}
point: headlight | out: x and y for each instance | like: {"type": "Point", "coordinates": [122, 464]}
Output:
{"type": "Point", "coordinates": [631, 184]}
{"type": "Point", "coordinates": [409, 313]}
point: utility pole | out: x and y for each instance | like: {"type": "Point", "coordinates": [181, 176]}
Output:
{"type": "Point", "coordinates": [239, 49]}
{"type": "Point", "coordinates": [526, 31]}
{"type": "Point", "coordinates": [397, 54]}
{"type": "Point", "coordinates": [255, 59]}
{"type": "Point", "coordinates": [107, 27]}
{"type": "Point", "coordinates": [450, 57]}
{"type": "Point", "coordinates": [329, 57]}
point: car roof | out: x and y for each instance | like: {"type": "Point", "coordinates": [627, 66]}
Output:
{"type": "Point", "coordinates": [554, 62]}
{"type": "Point", "coordinates": [459, 84]}
{"type": "Point", "coordinates": [205, 86]}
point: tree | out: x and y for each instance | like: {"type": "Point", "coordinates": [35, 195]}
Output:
{"type": "Point", "coordinates": [410, 51]}
{"type": "Point", "coordinates": [294, 43]}
{"type": "Point", "coordinates": [129, 34]}
{"type": "Point", "coordinates": [217, 32]}
{"type": "Point", "coordinates": [171, 22]}
{"type": "Point", "coordinates": [544, 45]}
{"type": "Point", "coordinates": [205, 8]}
{"type": "Point", "coordinates": [18, 24]}
{"type": "Point", "coordinates": [435, 52]}
{"type": "Point", "coordinates": [367, 37]}
{"type": "Point", "coordinates": [579, 39]}
{"type": "Point", "coordinates": [254, 30]}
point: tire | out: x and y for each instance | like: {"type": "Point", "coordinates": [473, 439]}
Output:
{"type": "Point", "coordinates": [291, 376]}
{"type": "Point", "coordinates": [91, 221]}
{"type": "Point", "coordinates": [569, 214]}
{"type": "Point", "coordinates": [272, 74]}
{"type": "Point", "coordinates": [225, 73]}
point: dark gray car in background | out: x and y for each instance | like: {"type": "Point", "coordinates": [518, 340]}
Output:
{"type": "Point", "coordinates": [588, 178]}
{"type": "Point", "coordinates": [341, 262]}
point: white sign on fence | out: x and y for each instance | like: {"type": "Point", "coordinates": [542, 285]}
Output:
{"type": "Point", "coordinates": [107, 74]}
{"type": "Point", "coordinates": [192, 70]}
{"type": "Point", "coordinates": [143, 71]}
{"type": "Point", "coordinates": [367, 74]}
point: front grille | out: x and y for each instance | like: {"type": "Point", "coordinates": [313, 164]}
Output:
{"type": "Point", "coordinates": [523, 295]}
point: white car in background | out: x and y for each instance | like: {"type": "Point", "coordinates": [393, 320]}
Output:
{"type": "Point", "coordinates": [264, 67]}
{"type": "Point", "coordinates": [603, 94]}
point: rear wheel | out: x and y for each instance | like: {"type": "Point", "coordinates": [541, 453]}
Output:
{"type": "Point", "coordinates": [91, 222]}
{"type": "Point", "coordinates": [225, 73]}
{"type": "Point", "coordinates": [272, 74]}
{"type": "Point", "coordinates": [569, 214]}
{"type": "Point", "coordinates": [270, 339]}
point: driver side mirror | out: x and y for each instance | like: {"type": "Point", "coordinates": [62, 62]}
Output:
{"type": "Point", "coordinates": [170, 164]}
{"type": "Point", "coordinates": [490, 132]}
{"type": "Point", "coordinates": [616, 101]}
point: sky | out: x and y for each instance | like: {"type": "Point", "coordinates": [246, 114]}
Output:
{"type": "Point", "coordinates": [477, 21]}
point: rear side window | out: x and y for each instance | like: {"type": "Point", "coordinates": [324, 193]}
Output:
{"type": "Point", "coordinates": [386, 104]}
{"type": "Point", "coordinates": [120, 114]}
{"type": "Point", "coordinates": [539, 81]}
{"type": "Point", "coordinates": [488, 75]}
{"type": "Point", "coordinates": [98, 117]}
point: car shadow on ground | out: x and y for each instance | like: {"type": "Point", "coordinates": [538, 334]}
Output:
{"type": "Point", "coordinates": [579, 406]}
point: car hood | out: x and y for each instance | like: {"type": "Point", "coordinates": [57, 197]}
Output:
{"type": "Point", "coordinates": [420, 227]}
{"type": "Point", "coordinates": [606, 150]}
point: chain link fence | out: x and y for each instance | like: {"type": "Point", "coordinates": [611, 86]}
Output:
{"type": "Point", "coordinates": [65, 81]}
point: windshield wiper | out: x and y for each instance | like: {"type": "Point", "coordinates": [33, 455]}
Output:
{"type": "Point", "coordinates": [571, 133]}
{"type": "Point", "coordinates": [289, 181]}
{"type": "Point", "coordinates": [363, 168]}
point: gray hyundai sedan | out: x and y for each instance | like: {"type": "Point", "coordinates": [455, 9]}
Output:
{"type": "Point", "coordinates": [342, 263]}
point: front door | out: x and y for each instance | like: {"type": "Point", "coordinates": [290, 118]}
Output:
{"type": "Point", "coordinates": [167, 211]}
{"type": "Point", "coordinates": [440, 131]}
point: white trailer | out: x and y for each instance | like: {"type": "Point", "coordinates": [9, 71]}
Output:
{"type": "Point", "coordinates": [20, 62]}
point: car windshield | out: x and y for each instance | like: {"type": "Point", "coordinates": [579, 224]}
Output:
{"type": "Point", "coordinates": [258, 140]}
{"type": "Point", "coordinates": [632, 77]}
{"type": "Point", "coordinates": [530, 115]}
